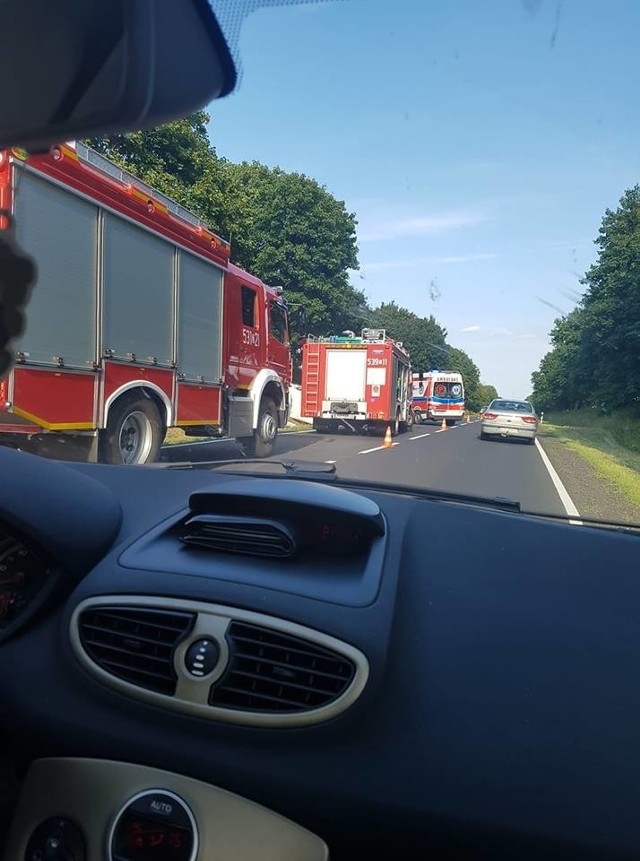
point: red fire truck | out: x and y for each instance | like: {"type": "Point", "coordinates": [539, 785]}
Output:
{"type": "Point", "coordinates": [356, 383]}
{"type": "Point", "coordinates": [138, 322]}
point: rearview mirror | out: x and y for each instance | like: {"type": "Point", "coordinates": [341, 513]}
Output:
{"type": "Point", "coordinates": [79, 68]}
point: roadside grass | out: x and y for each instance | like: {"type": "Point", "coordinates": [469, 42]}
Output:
{"type": "Point", "coordinates": [295, 426]}
{"type": "Point", "coordinates": [176, 436]}
{"type": "Point", "coordinates": [611, 444]}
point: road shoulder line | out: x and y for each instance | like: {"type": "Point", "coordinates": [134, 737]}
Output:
{"type": "Point", "coordinates": [565, 499]}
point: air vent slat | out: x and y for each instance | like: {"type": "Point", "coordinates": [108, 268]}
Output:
{"type": "Point", "coordinates": [290, 667]}
{"type": "Point", "coordinates": [153, 618]}
{"type": "Point", "coordinates": [276, 702]}
{"type": "Point", "coordinates": [291, 650]}
{"type": "Point", "coordinates": [116, 665]}
{"type": "Point", "coordinates": [246, 536]}
{"type": "Point", "coordinates": [135, 645]}
{"type": "Point", "coordinates": [329, 692]}
{"type": "Point", "coordinates": [162, 659]}
{"type": "Point", "coordinates": [274, 672]}
{"type": "Point", "coordinates": [98, 629]}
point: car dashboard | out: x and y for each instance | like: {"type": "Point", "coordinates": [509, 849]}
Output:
{"type": "Point", "coordinates": [198, 664]}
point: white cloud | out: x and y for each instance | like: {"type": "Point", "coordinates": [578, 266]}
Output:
{"type": "Point", "coordinates": [377, 229]}
{"type": "Point", "coordinates": [425, 261]}
{"type": "Point", "coordinates": [470, 329]}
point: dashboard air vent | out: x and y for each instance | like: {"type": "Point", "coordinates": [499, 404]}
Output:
{"type": "Point", "coordinates": [135, 644]}
{"type": "Point", "coordinates": [273, 672]}
{"type": "Point", "coordinates": [247, 536]}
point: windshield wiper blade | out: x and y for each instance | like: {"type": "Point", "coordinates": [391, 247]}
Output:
{"type": "Point", "coordinates": [289, 468]}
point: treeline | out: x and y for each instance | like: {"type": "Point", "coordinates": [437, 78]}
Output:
{"type": "Point", "coordinates": [286, 229]}
{"type": "Point", "coordinates": [595, 358]}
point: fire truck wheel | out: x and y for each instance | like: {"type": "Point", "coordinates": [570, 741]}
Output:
{"type": "Point", "coordinates": [417, 418]}
{"type": "Point", "coordinates": [264, 436]}
{"type": "Point", "coordinates": [134, 432]}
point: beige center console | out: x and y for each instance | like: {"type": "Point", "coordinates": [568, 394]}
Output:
{"type": "Point", "coordinates": [92, 810]}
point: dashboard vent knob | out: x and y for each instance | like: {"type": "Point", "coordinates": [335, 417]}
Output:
{"type": "Point", "coordinates": [135, 644]}
{"type": "Point", "coordinates": [248, 536]}
{"type": "Point", "coordinates": [272, 672]}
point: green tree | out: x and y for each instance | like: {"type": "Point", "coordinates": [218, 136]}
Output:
{"type": "Point", "coordinates": [459, 361]}
{"type": "Point", "coordinates": [423, 337]}
{"type": "Point", "coordinates": [611, 305]}
{"type": "Point", "coordinates": [486, 394]}
{"type": "Point", "coordinates": [595, 356]}
{"type": "Point", "coordinates": [291, 231]}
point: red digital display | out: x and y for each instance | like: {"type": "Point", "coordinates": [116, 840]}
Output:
{"type": "Point", "coordinates": [140, 838]}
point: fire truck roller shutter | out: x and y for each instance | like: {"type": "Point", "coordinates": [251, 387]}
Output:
{"type": "Point", "coordinates": [199, 348]}
{"type": "Point", "coordinates": [139, 278]}
{"type": "Point", "coordinates": [60, 230]}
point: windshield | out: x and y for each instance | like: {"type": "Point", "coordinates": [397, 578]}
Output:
{"type": "Point", "coordinates": [447, 391]}
{"type": "Point", "coordinates": [393, 196]}
{"type": "Point", "coordinates": [511, 406]}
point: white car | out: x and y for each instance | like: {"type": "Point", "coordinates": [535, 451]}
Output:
{"type": "Point", "coordinates": [505, 418]}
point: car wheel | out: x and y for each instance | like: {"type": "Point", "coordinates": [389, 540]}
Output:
{"type": "Point", "coordinates": [483, 435]}
{"type": "Point", "coordinates": [134, 432]}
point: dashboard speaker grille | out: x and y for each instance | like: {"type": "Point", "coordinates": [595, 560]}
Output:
{"type": "Point", "coordinates": [273, 672]}
{"type": "Point", "coordinates": [246, 536]}
{"type": "Point", "coordinates": [135, 644]}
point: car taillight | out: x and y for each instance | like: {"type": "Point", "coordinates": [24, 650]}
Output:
{"type": "Point", "coordinates": [530, 420]}
{"type": "Point", "coordinates": [490, 416]}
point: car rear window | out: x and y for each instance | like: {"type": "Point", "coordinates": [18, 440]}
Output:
{"type": "Point", "coordinates": [512, 406]}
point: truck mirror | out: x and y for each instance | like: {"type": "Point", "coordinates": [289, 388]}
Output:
{"type": "Point", "coordinates": [299, 320]}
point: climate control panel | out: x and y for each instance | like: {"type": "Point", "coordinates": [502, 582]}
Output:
{"type": "Point", "coordinates": [92, 810]}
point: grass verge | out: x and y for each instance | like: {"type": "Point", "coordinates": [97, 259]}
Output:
{"type": "Point", "coordinates": [611, 444]}
{"type": "Point", "coordinates": [175, 436]}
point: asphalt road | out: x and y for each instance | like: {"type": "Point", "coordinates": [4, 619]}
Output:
{"type": "Point", "coordinates": [454, 460]}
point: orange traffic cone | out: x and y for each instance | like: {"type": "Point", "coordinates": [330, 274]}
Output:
{"type": "Point", "coordinates": [468, 418]}
{"type": "Point", "coordinates": [443, 426]}
{"type": "Point", "coordinates": [387, 438]}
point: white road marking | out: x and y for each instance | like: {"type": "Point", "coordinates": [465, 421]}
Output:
{"type": "Point", "coordinates": [565, 499]}
{"type": "Point", "coordinates": [420, 436]}
{"type": "Point", "coordinates": [377, 448]}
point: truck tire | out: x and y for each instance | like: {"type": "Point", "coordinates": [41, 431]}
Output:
{"type": "Point", "coordinates": [134, 432]}
{"type": "Point", "coordinates": [417, 417]}
{"type": "Point", "coordinates": [450, 422]}
{"type": "Point", "coordinates": [264, 436]}
{"type": "Point", "coordinates": [407, 424]}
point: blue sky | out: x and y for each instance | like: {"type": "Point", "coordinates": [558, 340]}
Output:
{"type": "Point", "coordinates": [478, 142]}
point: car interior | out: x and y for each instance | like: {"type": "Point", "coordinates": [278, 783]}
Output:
{"type": "Point", "coordinates": [214, 664]}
